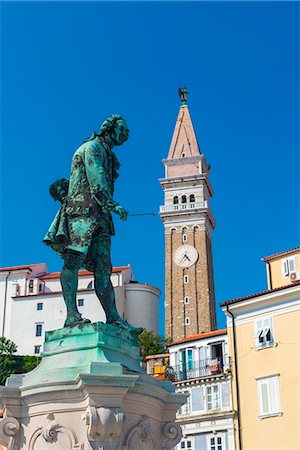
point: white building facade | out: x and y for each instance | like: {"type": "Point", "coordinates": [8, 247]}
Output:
{"type": "Point", "coordinates": [31, 303]}
{"type": "Point", "coordinates": [202, 370]}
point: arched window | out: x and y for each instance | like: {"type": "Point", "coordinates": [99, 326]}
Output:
{"type": "Point", "coordinates": [90, 285]}
{"type": "Point", "coordinates": [175, 200]}
{"type": "Point", "coordinates": [192, 198]}
{"type": "Point", "coordinates": [183, 199]}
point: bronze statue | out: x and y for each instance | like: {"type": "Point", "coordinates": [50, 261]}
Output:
{"type": "Point", "coordinates": [82, 229]}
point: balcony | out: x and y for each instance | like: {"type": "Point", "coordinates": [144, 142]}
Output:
{"type": "Point", "coordinates": [202, 369]}
{"type": "Point", "coordinates": [183, 206]}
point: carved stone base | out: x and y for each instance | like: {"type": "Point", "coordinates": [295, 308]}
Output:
{"type": "Point", "coordinates": [89, 392]}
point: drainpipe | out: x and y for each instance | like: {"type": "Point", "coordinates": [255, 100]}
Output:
{"type": "Point", "coordinates": [5, 299]}
{"type": "Point", "coordinates": [270, 275]}
{"type": "Point", "coordinates": [236, 377]}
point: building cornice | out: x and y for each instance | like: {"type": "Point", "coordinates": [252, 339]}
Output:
{"type": "Point", "coordinates": [263, 299]}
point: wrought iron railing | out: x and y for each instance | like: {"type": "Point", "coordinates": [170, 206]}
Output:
{"type": "Point", "coordinates": [204, 368]}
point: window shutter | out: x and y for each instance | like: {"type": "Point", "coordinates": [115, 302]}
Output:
{"type": "Point", "coordinates": [273, 400]}
{"type": "Point", "coordinates": [225, 395]}
{"type": "Point", "coordinates": [285, 267]}
{"type": "Point", "coordinates": [292, 264]}
{"type": "Point", "coordinates": [198, 398]}
{"type": "Point", "coordinates": [190, 358]}
{"type": "Point", "coordinates": [264, 398]}
{"type": "Point", "coordinates": [200, 442]}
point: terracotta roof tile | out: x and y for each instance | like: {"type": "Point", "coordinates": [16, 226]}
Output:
{"type": "Point", "coordinates": [195, 337]}
{"type": "Point", "coordinates": [258, 294]}
{"type": "Point", "coordinates": [6, 269]}
{"type": "Point", "coordinates": [275, 255]}
{"type": "Point", "coordinates": [83, 273]}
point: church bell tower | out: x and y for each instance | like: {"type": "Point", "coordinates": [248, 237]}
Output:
{"type": "Point", "coordinates": [188, 223]}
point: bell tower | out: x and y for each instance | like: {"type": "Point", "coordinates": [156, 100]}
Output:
{"type": "Point", "coordinates": [188, 224]}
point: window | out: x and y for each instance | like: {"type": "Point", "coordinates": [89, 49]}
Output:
{"type": "Point", "coordinates": [192, 198]}
{"type": "Point", "coordinates": [183, 199]}
{"type": "Point", "coordinates": [38, 329]}
{"type": "Point", "coordinates": [186, 300]}
{"type": "Point", "coordinates": [175, 200]}
{"type": "Point", "coordinates": [37, 349]}
{"type": "Point", "coordinates": [289, 266]}
{"type": "Point", "coordinates": [213, 397]}
{"type": "Point", "coordinates": [184, 238]}
{"type": "Point", "coordinates": [39, 306]}
{"type": "Point", "coordinates": [186, 408]}
{"type": "Point", "coordinates": [216, 443]}
{"type": "Point", "coordinates": [90, 285]}
{"type": "Point", "coordinates": [186, 279]}
{"type": "Point", "coordinates": [30, 286]}
{"type": "Point", "coordinates": [182, 155]}
{"type": "Point", "coordinates": [80, 302]}
{"type": "Point", "coordinates": [187, 321]}
{"type": "Point", "coordinates": [41, 287]}
{"type": "Point", "coordinates": [264, 332]}
{"type": "Point", "coordinates": [268, 396]}
{"type": "Point", "coordinates": [186, 444]}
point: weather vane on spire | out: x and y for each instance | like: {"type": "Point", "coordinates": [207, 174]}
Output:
{"type": "Point", "coordinates": [183, 92]}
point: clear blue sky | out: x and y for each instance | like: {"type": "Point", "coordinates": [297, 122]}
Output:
{"type": "Point", "coordinates": [66, 66]}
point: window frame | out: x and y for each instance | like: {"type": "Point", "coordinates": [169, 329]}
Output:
{"type": "Point", "coordinates": [216, 446]}
{"type": "Point", "coordinates": [39, 349]}
{"type": "Point", "coordinates": [186, 408]}
{"type": "Point", "coordinates": [39, 334]}
{"type": "Point", "coordinates": [219, 399]}
{"type": "Point", "coordinates": [79, 301]}
{"type": "Point", "coordinates": [289, 265]}
{"type": "Point", "coordinates": [261, 332]}
{"type": "Point", "coordinates": [268, 381]}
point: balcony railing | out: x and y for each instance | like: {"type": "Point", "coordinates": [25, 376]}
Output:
{"type": "Point", "coordinates": [183, 206]}
{"type": "Point", "coordinates": [204, 368]}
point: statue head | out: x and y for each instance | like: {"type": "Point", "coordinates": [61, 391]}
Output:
{"type": "Point", "coordinates": [115, 127]}
{"type": "Point", "coordinates": [59, 189]}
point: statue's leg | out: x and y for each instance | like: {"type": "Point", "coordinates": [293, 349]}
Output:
{"type": "Point", "coordinates": [69, 282]}
{"type": "Point", "coordinates": [102, 273]}
{"type": "Point", "coordinates": [103, 285]}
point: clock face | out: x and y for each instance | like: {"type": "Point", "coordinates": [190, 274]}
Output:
{"type": "Point", "coordinates": [185, 256]}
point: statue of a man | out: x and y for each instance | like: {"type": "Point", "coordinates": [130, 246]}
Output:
{"type": "Point", "coordinates": [82, 229]}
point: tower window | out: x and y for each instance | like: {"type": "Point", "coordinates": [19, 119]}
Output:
{"type": "Point", "coordinates": [182, 155]}
{"type": "Point", "coordinates": [186, 300]}
{"type": "Point", "coordinates": [186, 279]}
{"type": "Point", "coordinates": [175, 200]}
{"type": "Point", "coordinates": [39, 306]}
{"type": "Point", "coordinates": [38, 329]}
{"type": "Point", "coordinates": [192, 198]}
{"type": "Point", "coordinates": [90, 285]}
{"type": "Point", "coordinates": [187, 321]}
{"type": "Point", "coordinates": [37, 349]}
{"type": "Point", "coordinates": [41, 287]}
{"type": "Point", "coordinates": [183, 199]}
{"type": "Point", "coordinates": [80, 302]}
{"type": "Point", "coordinates": [184, 238]}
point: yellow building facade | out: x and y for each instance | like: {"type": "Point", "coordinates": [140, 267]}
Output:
{"type": "Point", "coordinates": [283, 268]}
{"type": "Point", "coordinates": [264, 346]}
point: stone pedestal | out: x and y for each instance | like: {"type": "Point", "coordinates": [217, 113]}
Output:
{"type": "Point", "coordinates": [89, 392]}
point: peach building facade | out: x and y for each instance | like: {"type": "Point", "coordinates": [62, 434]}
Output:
{"type": "Point", "coordinates": [264, 346]}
